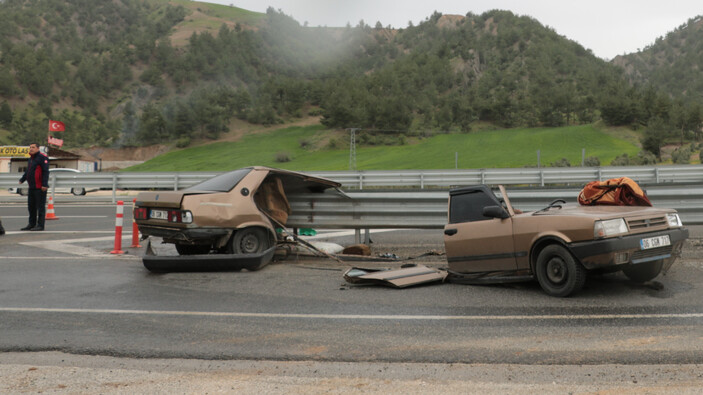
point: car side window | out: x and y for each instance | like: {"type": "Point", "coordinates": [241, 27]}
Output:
{"type": "Point", "coordinates": [468, 207]}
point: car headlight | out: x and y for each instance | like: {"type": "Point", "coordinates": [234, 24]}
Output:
{"type": "Point", "coordinates": [674, 219]}
{"type": "Point", "coordinates": [610, 227]}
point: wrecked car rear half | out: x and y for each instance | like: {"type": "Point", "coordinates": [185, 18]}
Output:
{"type": "Point", "coordinates": [234, 213]}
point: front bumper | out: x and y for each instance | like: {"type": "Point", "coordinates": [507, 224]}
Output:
{"type": "Point", "coordinates": [602, 253]}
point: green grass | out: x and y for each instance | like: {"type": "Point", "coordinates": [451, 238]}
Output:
{"type": "Point", "coordinates": [222, 11]}
{"type": "Point", "coordinates": [485, 149]}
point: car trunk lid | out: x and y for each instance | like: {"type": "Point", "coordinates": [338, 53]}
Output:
{"type": "Point", "coordinates": [167, 199]}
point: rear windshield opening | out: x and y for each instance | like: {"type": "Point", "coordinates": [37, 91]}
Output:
{"type": "Point", "coordinates": [222, 183]}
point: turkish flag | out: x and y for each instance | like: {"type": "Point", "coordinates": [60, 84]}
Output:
{"type": "Point", "coordinates": [56, 126]}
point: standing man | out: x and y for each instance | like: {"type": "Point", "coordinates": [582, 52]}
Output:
{"type": "Point", "coordinates": [37, 177]}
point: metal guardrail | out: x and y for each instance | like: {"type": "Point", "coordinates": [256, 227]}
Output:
{"type": "Point", "coordinates": [678, 187]}
{"type": "Point", "coordinates": [116, 181]}
{"type": "Point", "coordinates": [428, 209]}
{"type": "Point", "coordinates": [643, 175]}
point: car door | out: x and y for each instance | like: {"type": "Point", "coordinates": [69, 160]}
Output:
{"type": "Point", "coordinates": [475, 242]}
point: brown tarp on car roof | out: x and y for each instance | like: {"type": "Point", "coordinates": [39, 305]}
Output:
{"type": "Point", "coordinates": [621, 191]}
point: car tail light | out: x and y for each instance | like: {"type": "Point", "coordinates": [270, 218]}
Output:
{"type": "Point", "coordinates": [140, 213]}
{"type": "Point", "coordinates": [180, 216]}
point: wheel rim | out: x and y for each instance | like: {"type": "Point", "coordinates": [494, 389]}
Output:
{"type": "Point", "coordinates": [556, 270]}
{"type": "Point", "coordinates": [250, 243]}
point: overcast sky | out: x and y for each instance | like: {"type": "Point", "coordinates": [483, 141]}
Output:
{"type": "Point", "coordinates": [607, 27]}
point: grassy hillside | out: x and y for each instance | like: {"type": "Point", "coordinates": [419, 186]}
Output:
{"type": "Point", "coordinates": [488, 149]}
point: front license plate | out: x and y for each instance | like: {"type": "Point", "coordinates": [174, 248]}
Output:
{"type": "Point", "coordinates": [654, 242]}
{"type": "Point", "coordinates": [158, 214]}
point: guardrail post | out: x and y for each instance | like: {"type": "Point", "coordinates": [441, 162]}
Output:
{"type": "Point", "coordinates": [600, 174]}
{"type": "Point", "coordinates": [422, 180]}
{"type": "Point", "coordinates": [53, 185]}
{"type": "Point", "coordinates": [367, 236]}
{"type": "Point", "coordinates": [361, 180]}
{"type": "Point", "coordinates": [114, 187]}
{"type": "Point", "coordinates": [175, 182]}
{"type": "Point", "coordinates": [541, 178]}
{"type": "Point", "coordinates": [357, 236]}
{"type": "Point", "coordinates": [656, 175]}
{"type": "Point", "coordinates": [483, 176]}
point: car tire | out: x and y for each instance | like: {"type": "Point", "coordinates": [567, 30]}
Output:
{"type": "Point", "coordinates": [558, 272]}
{"type": "Point", "coordinates": [642, 272]}
{"type": "Point", "coordinates": [191, 249]}
{"type": "Point", "coordinates": [21, 192]}
{"type": "Point", "coordinates": [249, 241]}
{"type": "Point", "coordinates": [78, 191]}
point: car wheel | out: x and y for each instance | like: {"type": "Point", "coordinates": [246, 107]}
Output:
{"type": "Point", "coordinates": [190, 249]}
{"type": "Point", "coordinates": [645, 271]}
{"type": "Point", "coordinates": [558, 272]}
{"type": "Point", "coordinates": [78, 191]}
{"type": "Point", "coordinates": [249, 241]}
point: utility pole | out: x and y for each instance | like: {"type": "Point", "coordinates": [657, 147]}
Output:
{"type": "Point", "coordinates": [352, 148]}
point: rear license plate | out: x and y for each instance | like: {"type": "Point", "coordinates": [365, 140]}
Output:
{"type": "Point", "coordinates": [158, 214]}
{"type": "Point", "coordinates": [654, 242]}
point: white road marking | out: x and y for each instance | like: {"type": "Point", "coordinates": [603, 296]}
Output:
{"type": "Point", "coordinates": [356, 316]}
{"type": "Point", "coordinates": [68, 246]}
{"type": "Point", "coordinates": [76, 259]}
{"type": "Point", "coordinates": [68, 232]}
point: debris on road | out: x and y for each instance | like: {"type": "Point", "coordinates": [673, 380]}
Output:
{"type": "Point", "coordinates": [406, 276]}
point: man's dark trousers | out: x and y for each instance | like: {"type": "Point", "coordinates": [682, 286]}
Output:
{"type": "Point", "coordinates": [36, 202]}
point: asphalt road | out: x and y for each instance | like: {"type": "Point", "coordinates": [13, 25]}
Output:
{"type": "Point", "coordinates": [62, 291]}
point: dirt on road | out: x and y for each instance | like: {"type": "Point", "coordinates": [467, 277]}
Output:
{"type": "Point", "coordinates": [57, 373]}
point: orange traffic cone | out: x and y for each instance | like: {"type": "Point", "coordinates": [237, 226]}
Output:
{"type": "Point", "coordinates": [50, 210]}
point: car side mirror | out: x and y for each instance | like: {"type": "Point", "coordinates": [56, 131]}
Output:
{"type": "Point", "coordinates": [495, 212]}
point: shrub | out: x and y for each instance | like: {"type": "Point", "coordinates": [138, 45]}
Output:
{"type": "Point", "coordinates": [591, 161]}
{"type": "Point", "coordinates": [646, 158]}
{"type": "Point", "coordinates": [183, 142]}
{"type": "Point", "coordinates": [282, 157]}
{"type": "Point", "coordinates": [682, 155]}
{"type": "Point", "coordinates": [563, 162]}
{"type": "Point", "coordinates": [621, 160]}
{"type": "Point", "coordinates": [314, 112]}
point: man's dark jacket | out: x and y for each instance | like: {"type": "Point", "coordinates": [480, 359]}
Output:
{"type": "Point", "coordinates": [37, 174]}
